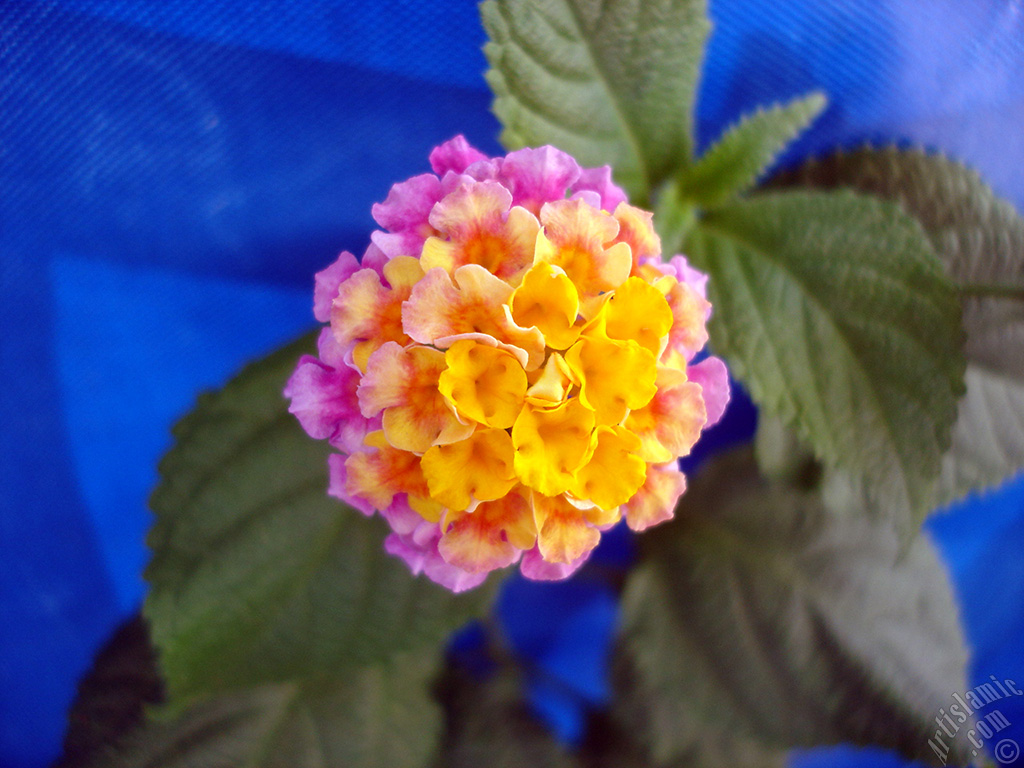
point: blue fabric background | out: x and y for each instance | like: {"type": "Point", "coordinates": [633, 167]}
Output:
{"type": "Point", "coordinates": [172, 172]}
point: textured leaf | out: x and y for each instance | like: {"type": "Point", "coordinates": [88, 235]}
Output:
{"type": "Point", "coordinates": [781, 455]}
{"type": "Point", "coordinates": [489, 724]}
{"type": "Point", "coordinates": [112, 696]}
{"type": "Point", "coordinates": [377, 716]}
{"type": "Point", "coordinates": [755, 619]}
{"type": "Point", "coordinates": [257, 575]}
{"type": "Point", "coordinates": [695, 739]}
{"type": "Point", "coordinates": [980, 238]}
{"type": "Point", "coordinates": [609, 81]}
{"type": "Point", "coordinates": [834, 310]}
{"type": "Point", "coordinates": [735, 162]}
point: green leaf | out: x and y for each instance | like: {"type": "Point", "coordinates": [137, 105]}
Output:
{"type": "Point", "coordinates": [490, 724]}
{"type": "Point", "coordinates": [736, 161]}
{"type": "Point", "coordinates": [782, 456]}
{"type": "Point", "coordinates": [257, 575]}
{"type": "Point", "coordinates": [609, 81]}
{"type": "Point", "coordinates": [834, 310]}
{"type": "Point", "coordinates": [642, 707]}
{"type": "Point", "coordinates": [375, 717]}
{"type": "Point", "coordinates": [980, 238]}
{"type": "Point", "coordinates": [756, 621]}
{"type": "Point", "coordinates": [112, 696]}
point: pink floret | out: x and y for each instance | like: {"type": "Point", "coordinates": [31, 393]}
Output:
{"type": "Point", "coordinates": [680, 268]}
{"type": "Point", "coordinates": [419, 550]}
{"type": "Point", "coordinates": [336, 487]}
{"type": "Point", "coordinates": [404, 215]}
{"type": "Point", "coordinates": [537, 176]}
{"type": "Point", "coordinates": [455, 156]}
{"type": "Point", "coordinates": [323, 397]}
{"type": "Point", "coordinates": [713, 378]}
{"type": "Point", "coordinates": [535, 567]}
{"type": "Point", "coordinates": [599, 181]}
{"type": "Point", "coordinates": [326, 284]}
{"type": "Point", "coordinates": [374, 258]}
{"type": "Point", "coordinates": [400, 516]}
{"type": "Point", "coordinates": [408, 203]}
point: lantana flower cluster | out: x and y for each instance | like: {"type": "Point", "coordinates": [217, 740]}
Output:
{"type": "Point", "coordinates": [508, 371]}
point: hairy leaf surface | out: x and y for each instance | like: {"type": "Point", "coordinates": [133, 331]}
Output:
{"type": "Point", "coordinates": [834, 310]}
{"type": "Point", "coordinates": [980, 238]}
{"type": "Point", "coordinates": [735, 162]}
{"type": "Point", "coordinates": [257, 575]}
{"type": "Point", "coordinates": [376, 717]}
{"type": "Point", "coordinates": [490, 724]}
{"type": "Point", "coordinates": [756, 620]}
{"type": "Point", "coordinates": [608, 81]}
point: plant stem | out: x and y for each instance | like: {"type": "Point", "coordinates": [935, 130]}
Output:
{"type": "Point", "coordinates": [674, 218]}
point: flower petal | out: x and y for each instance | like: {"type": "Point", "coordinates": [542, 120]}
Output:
{"type": "Point", "coordinates": [636, 228]}
{"type": "Point", "coordinates": [338, 485]}
{"type": "Point", "coordinates": [550, 384]}
{"type": "Point", "coordinates": [547, 300]}
{"type": "Point", "coordinates": [616, 376]}
{"type": "Point", "coordinates": [670, 424]}
{"type": "Point", "coordinates": [690, 310]}
{"type": "Point", "coordinates": [478, 225]}
{"type": "Point", "coordinates": [638, 311]}
{"type": "Point", "coordinates": [419, 551]}
{"type": "Point", "coordinates": [367, 314]}
{"type": "Point", "coordinates": [551, 444]}
{"type": "Point", "coordinates": [713, 378]}
{"type": "Point", "coordinates": [679, 268]}
{"type": "Point", "coordinates": [537, 176]}
{"type": "Point", "coordinates": [490, 536]}
{"type": "Point", "coordinates": [400, 516]}
{"type": "Point", "coordinates": [376, 474]}
{"type": "Point", "coordinates": [563, 535]}
{"type": "Point", "coordinates": [454, 155]}
{"type": "Point", "coordinates": [374, 258]}
{"type": "Point", "coordinates": [438, 310]}
{"type": "Point", "coordinates": [613, 471]}
{"type": "Point", "coordinates": [599, 180]}
{"type": "Point", "coordinates": [578, 238]}
{"type": "Point", "coordinates": [408, 205]}
{"type": "Point", "coordinates": [479, 468]}
{"type": "Point", "coordinates": [324, 401]}
{"type": "Point", "coordinates": [533, 566]}
{"type": "Point", "coordinates": [327, 282]}
{"type": "Point", "coordinates": [656, 500]}
{"type": "Point", "coordinates": [402, 382]}
{"type": "Point", "coordinates": [483, 383]}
